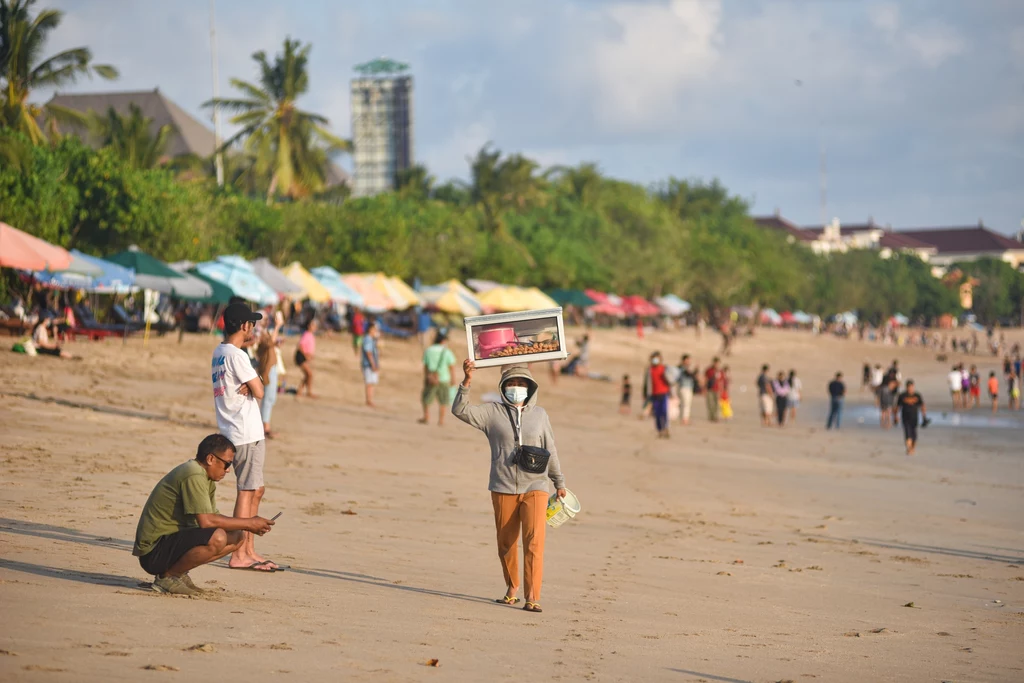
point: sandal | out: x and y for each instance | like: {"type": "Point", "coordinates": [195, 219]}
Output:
{"type": "Point", "coordinates": [532, 607]}
{"type": "Point", "coordinates": [507, 600]}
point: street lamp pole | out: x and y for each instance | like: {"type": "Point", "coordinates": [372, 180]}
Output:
{"type": "Point", "coordinates": [219, 157]}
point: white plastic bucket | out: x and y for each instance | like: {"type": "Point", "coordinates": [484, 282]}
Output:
{"type": "Point", "coordinates": [561, 510]}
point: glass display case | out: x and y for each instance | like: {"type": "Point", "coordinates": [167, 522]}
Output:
{"type": "Point", "coordinates": [526, 337]}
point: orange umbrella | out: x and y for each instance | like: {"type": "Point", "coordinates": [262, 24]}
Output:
{"type": "Point", "coordinates": [23, 251]}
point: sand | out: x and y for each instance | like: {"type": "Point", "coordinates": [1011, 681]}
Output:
{"type": "Point", "coordinates": [729, 553]}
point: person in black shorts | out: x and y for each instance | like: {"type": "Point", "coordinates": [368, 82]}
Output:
{"type": "Point", "coordinates": [180, 527]}
{"type": "Point", "coordinates": [910, 408]}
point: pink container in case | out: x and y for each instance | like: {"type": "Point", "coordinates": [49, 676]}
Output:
{"type": "Point", "coordinates": [495, 340]}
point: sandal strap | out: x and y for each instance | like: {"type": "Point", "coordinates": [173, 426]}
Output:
{"type": "Point", "coordinates": [508, 600]}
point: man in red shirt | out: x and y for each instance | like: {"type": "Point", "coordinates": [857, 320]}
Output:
{"type": "Point", "coordinates": [712, 385]}
{"type": "Point", "coordinates": [658, 390]}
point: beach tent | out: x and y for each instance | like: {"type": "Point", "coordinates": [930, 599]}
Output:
{"type": "Point", "coordinates": [310, 288]}
{"type": "Point", "coordinates": [671, 305]}
{"type": "Point", "coordinates": [640, 307]}
{"type": "Point", "coordinates": [111, 278]}
{"type": "Point", "coordinates": [26, 252]}
{"type": "Point", "coordinates": [235, 273]}
{"type": "Point", "coordinates": [277, 280]}
{"type": "Point", "coordinates": [571, 297]}
{"type": "Point", "coordinates": [341, 290]}
{"type": "Point", "coordinates": [450, 297]}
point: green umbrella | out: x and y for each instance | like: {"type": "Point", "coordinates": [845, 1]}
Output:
{"type": "Point", "coordinates": [143, 264]}
{"type": "Point", "coordinates": [220, 295]}
{"type": "Point", "coordinates": [571, 297]}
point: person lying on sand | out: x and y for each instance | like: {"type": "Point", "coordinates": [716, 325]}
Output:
{"type": "Point", "coordinates": [180, 528]}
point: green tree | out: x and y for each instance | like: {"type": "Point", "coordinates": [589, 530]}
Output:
{"type": "Point", "coordinates": [23, 69]}
{"type": "Point", "coordinates": [131, 137]}
{"type": "Point", "coordinates": [288, 147]}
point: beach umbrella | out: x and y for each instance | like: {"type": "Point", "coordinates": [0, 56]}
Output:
{"type": "Point", "coordinates": [277, 280]}
{"type": "Point", "coordinates": [607, 304]}
{"type": "Point", "coordinates": [802, 318]}
{"type": "Point", "coordinates": [235, 273]}
{"type": "Point", "coordinates": [787, 317]}
{"type": "Point", "coordinates": [310, 287]}
{"type": "Point", "coordinates": [394, 294]}
{"type": "Point", "coordinates": [901, 319]}
{"type": "Point", "coordinates": [374, 301]}
{"type": "Point", "coordinates": [770, 315]}
{"type": "Point", "coordinates": [110, 278]}
{"type": "Point", "coordinates": [639, 306]}
{"type": "Point", "coordinates": [450, 297]}
{"type": "Point", "coordinates": [340, 288]}
{"type": "Point", "coordinates": [23, 251]}
{"type": "Point", "coordinates": [507, 299]}
{"type": "Point", "coordinates": [481, 286]}
{"type": "Point", "coordinates": [571, 297]}
{"type": "Point", "coordinates": [150, 273]}
{"type": "Point", "coordinates": [405, 291]}
{"type": "Point", "coordinates": [671, 305]}
{"type": "Point", "coordinates": [193, 287]}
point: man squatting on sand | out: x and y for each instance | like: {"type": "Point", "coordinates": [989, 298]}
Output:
{"type": "Point", "coordinates": [180, 527]}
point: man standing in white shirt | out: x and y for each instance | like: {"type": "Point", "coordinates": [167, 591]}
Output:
{"type": "Point", "coordinates": [955, 386]}
{"type": "Point", "coordinates": [237, 390]}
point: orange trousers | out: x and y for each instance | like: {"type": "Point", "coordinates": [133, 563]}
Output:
{"type": "Point", "coordinates": [526, 511]}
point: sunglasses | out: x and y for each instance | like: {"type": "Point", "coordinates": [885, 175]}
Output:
{"type": "Point", "coordinates": [227, 463]}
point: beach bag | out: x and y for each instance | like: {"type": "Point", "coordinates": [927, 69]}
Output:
{"type": "Point", "coordinates": [532, 459]}
{"type": "Point", "coordinates": [726, 408]}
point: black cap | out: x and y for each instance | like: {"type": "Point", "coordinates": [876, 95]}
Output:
{"type": "Point", "coordinates": [236, 314]}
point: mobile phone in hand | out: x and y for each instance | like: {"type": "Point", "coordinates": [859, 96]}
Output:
{"type": "Point", "coordinates": [274, 518]}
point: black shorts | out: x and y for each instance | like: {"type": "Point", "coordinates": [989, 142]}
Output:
{"type": "Point", "coordinates": [910, 431]}
{"type": "Point", "coordinates": [170, 548]}
{"type": "Point", "coordinates": [300, 358]}
{"type": "Point", "coordinates": [48, 352]}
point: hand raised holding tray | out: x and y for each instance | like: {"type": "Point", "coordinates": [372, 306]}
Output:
{"type": "Point", "coordinates": [526, 337]}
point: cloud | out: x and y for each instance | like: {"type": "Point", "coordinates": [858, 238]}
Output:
{"type": "Point", "coordinates": [935, 43]}
{"type": "Point", "coordinates": [886, 18]}
{"type": "Point", "coordinates": [637, 58]}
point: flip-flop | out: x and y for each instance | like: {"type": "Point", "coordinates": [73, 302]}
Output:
{"type": "Point", "coordinates": [278, 568]}
{"type": "Point", "coordinates": [532, 607]}
{"type": "Point", "coordinates": [507, 600]}
{"type": "Point", "coordinates": [254, 568]}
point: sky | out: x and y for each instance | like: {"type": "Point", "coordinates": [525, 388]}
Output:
{"type": "Point", "coordinates": [917, 106]}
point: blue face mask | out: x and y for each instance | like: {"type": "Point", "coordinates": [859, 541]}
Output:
{"type": "Point", "coordinates": [516, 395]}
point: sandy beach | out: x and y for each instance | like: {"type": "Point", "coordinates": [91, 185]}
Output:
{"type": "Point", "coordinates": [730, 552]}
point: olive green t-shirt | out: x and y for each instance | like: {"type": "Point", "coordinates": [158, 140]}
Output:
{"type": "Point", "coordinates": [183, 493]}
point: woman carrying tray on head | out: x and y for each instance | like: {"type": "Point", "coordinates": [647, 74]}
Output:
{"type": "Point", "coordinates": [519, 476]}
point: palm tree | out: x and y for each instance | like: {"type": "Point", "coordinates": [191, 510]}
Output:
{"type": "Point", "coordinates": [581, 182]}
{"type": "Point", "coordinates": [288, 146]}
{"type": "Point", "coordinates": [130, 137]}
{"type": "Point", "coordinates": [415, 182]}
{"type": "Point", "coordinates": [22, 38]}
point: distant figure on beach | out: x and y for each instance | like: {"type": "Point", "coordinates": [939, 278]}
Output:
{"type": "Point", "coordinates": [358, 329]}
{"type": "Point", "coordinates": [910, 408]}
{"type": "Point", "coordinates": [865, 380]}
{"type": "Point", "coordinates": [712, 378]}
{"type": "Point", "coordinates": [687, 382]}
{"type": "Point", "coordinates": [370, 361]}
{"type": "Point", "coordinates": [304, 357]}
{"type": "Point", "coordinates": [658, 389]}
{"type": "Point", "coordinates": [1013, 392]}
{"type": "Point", "coordinates": [237, 390]}
{"type": "Point", "coordinates": [993, 391]}
{"type": "Point", "coordinates": [886, 401]}
{"type": "Point", "coordinates": [180, 527]}
{"type": "Point", "coordinates": [781, 389]}
{"type": "Point", "coordinates": [518, 485]}
{"type": "Point", "coordinates": [796, 388]}
{"type": "Point", "coordinates": [41, 339]}
{"type": "Point", "coordinates": [438, 365]}
{"type": "Point", "coordinates": [974, 377]}
{"type": "Point", "coordinates": [627, 395]}
{"type": "Point", "coordinates": [836, 395]}
{"type": "Point", "coordinates": [583, 356]}
{"type": "Point", "coordinates": [267, 368]}
{"type": "Point", "coordinates": [877, 377]}
{"type": "Point", "coordinates": [765, 397]}
{"type": "Point", "coordinates": [955, 379]}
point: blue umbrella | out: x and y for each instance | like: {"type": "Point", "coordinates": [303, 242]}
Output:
{"type": "Point", "coordinates": [333, 283]}
{"type": "Point", "coordinates": [236, 274]}
{"type": "Point", "coordinates": [110, 278]}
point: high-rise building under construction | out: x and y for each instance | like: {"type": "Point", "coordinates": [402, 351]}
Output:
{"type": "Point", "coordinates": [382, 137]}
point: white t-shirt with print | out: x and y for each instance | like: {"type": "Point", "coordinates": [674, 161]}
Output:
{"type": "Point", "coordinates": [238, 416]}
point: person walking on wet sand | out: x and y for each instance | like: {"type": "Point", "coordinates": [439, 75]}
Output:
{"type": "Point", "coordinates": [180, 528]}
{"type": "Point", "coordinates": [658, 389]}
{"type": "Point", "coordinates": [993, 391]}
{"type": "Point", "coordinates": [910, 408]}
{"type": "Point", "coordinates": [765, 398]}
{"type": "Point", "coordinates": [712, 379]}
{"type": "Point", "coordinates": [687, 381]}
{"type": "Point", "coordinates": [836, 395]}
{"type": "Point", "coordinates": [370, 361]}
{"type": "Point", "coordinates": [781, 389]}
{"type": "Point", "coordinates": [518, 484]}
{"type": "Point", "coordinates": [438, 365]}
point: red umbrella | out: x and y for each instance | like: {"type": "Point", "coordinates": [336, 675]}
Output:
{"type": "Point", "coordinates": [787, 317]}
{"type": "Point", "coordinates": [640, 307]}
{"type": "Point", "coordinates": [605, 304]}
{"type": "Point", "coordinates": [23, 251]}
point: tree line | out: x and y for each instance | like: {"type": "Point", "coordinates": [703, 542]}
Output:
{"type": "Point", "coordinates": [512, 221]}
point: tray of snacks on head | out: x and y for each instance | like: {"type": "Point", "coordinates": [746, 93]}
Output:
{"type": "Point", "coordinates": [526, 337]}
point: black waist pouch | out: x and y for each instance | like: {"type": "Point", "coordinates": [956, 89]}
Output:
{"type": "Point", "coordinates": [533, 459]}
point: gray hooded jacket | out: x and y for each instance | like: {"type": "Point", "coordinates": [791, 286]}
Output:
{"type": "Point", "coordinates": [535, 427]}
